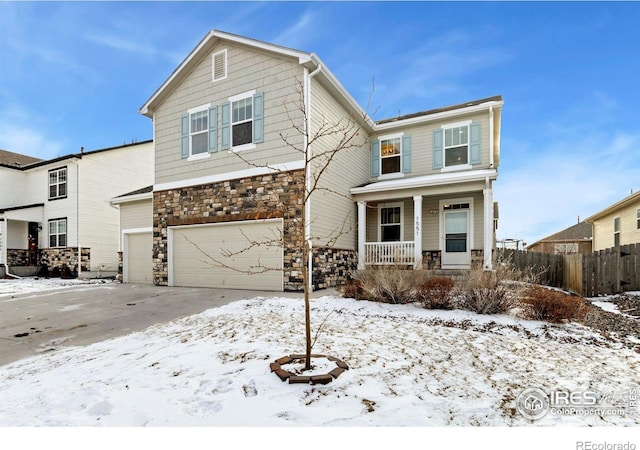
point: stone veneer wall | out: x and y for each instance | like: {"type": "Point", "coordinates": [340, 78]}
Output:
{"type": "Point", "coordinates": [276, 195]}
{"type": "Point", "coordinates": [432, 259]}
{"type": "Point", "coordinates": [57, 257]}
{"type": "Point", "coordinates": [17, 257]}
{"type": "Point", "coordinates": [332, 267]}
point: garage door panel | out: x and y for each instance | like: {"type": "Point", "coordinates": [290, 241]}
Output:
{"type": "Point", "coordinates": [224, 256]}
{"type": "Point", "coordinates": [139, 258]}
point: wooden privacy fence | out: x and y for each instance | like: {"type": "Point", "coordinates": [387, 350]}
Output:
{"type": "Point", "coordinates": [604, 272]}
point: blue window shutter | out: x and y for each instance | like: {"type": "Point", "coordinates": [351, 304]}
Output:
{"type": "Point", "coordinates": [226, 126]}
{"type": "Point", "coordinates": [375, 158]}
{"type": "Point", "coordinates": [475, 153]}
{"type": "Point", "coordinates": [406, 154]}
{"type": "Point", "coordinates": [258, 118]}
{"type": "Point", "coordinates": [438, 150]}
{"type": "Point", "coordinates": [184, 141]}
{"type": "Point", "coordinates": [213, 129]}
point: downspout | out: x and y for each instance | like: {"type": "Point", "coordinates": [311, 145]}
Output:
{"type": "Point", "coordinates": [491, 149]}
{"type": "Point", "coordinates": [307, 165]}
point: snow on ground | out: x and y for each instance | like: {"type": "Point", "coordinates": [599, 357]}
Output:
{"type": "Point", "coordinates": [27, 285]}
{"type": "Point", "coordinates": [408, 367]}
{"type": "Point", "coordinates": [606, 303]}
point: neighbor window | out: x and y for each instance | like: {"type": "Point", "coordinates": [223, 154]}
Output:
{"type": "Point", "coordinates": [242, 121]}
{"type": "Point", "coordinates": [58, 183]}
{"type": "Point", "coordinates": [616, 232]}
{"type": "Point", "coordinates": [390, 155]}
{"type": "Point", "coordinates": [566, 248]}
{"type": "Point", "coordinates": [638, 219]}
{"type": "Point", "coordinates": [58, 233]}
{"type": "Point", "coordinates": [456, 146]}
{"type": "Point", "coordinates": [391, 223]}
{"type": "Point", "coordinates": [198, 131]}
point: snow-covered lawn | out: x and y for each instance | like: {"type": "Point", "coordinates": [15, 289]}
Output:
{"type": "Point", "coordinates": [408, 367]}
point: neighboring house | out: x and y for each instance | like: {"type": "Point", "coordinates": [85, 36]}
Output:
{"type": "Point", "coordinates": [57, 212]}
{"type": "Point", "coordinates": [618, 224]}
{"type": "Point", "coordinates": [224, 176]}
{"type": "Point", "coordinates": [574, 239]}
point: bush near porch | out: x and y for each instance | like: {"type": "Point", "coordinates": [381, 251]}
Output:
{"type": "Point", "coordinates": [505, 290]}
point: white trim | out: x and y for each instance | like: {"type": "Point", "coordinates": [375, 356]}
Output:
{"type": "Point", "coordinates": [243, 147]}
{"type": "Point", "coordinates": [464, 123]}
{"type": "Point", "coordinates": [362, 233]}
{"type": "Point", "coordinates": [132, 198]}
{"type": "Point", "coordinates": [427, 181]}
{"type": "Point", "coordinates": [197, 156]}
{"type": "Point", "coordinates": [391, 136]}
{"type": "Point", "coordinates": [251, 172]}
{"type": "Point", "coordinates": [171, 229]}
{"type": "Point", "coordinates": [196, 109]}
{"type": "Point", "coordinates": [213, 66]}
{"type": "Point", "coordinates": [417, 231]}
{"type": "Point", "coordinates": [391, 176]}
{"type": "Point", "coordinates": [137, 230]}
{"type": "Point", "coordinates": [235, 98]}
{"type": "Point", "coordinates": [457, 167]}
{"type": "Point", "coordinates": [391, 205]}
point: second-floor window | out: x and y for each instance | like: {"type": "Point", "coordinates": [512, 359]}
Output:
{"type": "Point", "coordinates": [58, 183]}
{"type": "Point", "coordinates": [390, 155]}
{"type": "Point", "coordinates": [199, 132]}
{"type": "Point", "coordinates": [456, 146]}
{"type": "Point", "coordinates": [58, 233]}
{"type": "Point", "coordinates": [242, 121]}
{"type": "Point", "coordinates": [616, 232]}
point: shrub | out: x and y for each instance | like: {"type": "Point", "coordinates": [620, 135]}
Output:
{"type": "Point", "coordinates": [553, 306]}
{"type": "Point", "coordinates": [390, 284]}
{"type": "Point", "coordinates": [353, 289]}
{"type": "Point", "coordinates": [436, 293]}
{"type": "Point", "coordinates": [485, 292]}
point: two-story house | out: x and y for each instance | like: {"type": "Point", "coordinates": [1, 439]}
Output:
{"type": "Point", "coordinates": [230, 152]}
{"type": "Point", "coordinates": [617, 224]}
{"type": "Point", "coordinates": [57, 212]}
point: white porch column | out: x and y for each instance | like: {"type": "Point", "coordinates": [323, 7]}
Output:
{"type": "Point", "coordinates": [362, 233]}
{"type": "Point", "coordinates": [488, 227]}
{"type": "Point", "coordinates": [417, 231]}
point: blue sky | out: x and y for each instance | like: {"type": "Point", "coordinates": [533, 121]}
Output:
{"type": "Point", "coordinates": [74, 74]}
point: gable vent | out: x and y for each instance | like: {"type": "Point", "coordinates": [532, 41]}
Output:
{"type": "Point", "coordinates": [219, 65]}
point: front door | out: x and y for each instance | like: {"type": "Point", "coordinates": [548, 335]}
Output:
{"type": "Point", "coordinates": [456, 248]}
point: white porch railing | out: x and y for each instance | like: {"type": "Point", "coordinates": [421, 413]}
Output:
{"type": "Point", "coordinates": [389, 252]}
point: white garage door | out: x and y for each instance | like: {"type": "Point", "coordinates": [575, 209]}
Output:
{"type": "Point", "coordinates": [138, 259]}
{"type": "Point", "coordinates": [197, 255]}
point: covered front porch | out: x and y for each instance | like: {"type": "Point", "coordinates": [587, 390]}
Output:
{"type": "Point", "coordinates": [424, 222]}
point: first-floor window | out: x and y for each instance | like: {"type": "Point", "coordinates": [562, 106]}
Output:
{"type": "Point", "coordinates": [391, 224]}
{"type": "Point", "coordinates": [616, 232]}
{"type": "Point", "coordinates": [58, 233]}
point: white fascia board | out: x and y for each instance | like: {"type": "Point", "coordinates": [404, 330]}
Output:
{"type": "Point", "coordinates": [246, 173]}
{"type": "Point", "coordinates": [132, 198]}
{"type": "Point", "coordinates": [427, 181]}
{"type": "Point", "coordinates": [625, 202]}
{"type": "Point", "coordinates": [437, 116]}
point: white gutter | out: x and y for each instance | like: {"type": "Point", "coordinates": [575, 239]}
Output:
{"type": "Point", "coordinates": [307, 164]}
{"type": "Point", "coordinates": [436, 116]}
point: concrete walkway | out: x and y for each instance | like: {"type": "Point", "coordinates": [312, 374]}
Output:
{"type": "Point", "coordinates": [31, 324]}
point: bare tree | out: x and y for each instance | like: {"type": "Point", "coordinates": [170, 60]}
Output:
{"type": "Point", "coordinates": [320, 145]}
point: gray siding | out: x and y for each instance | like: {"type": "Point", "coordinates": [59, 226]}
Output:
{"type": "Point", "coordinates": [333, 211]}
{"type": "Point", "coordinates": [273, 75]}
{"type": "Point", "coordinates": [138, 214]}
{"type": "Point", "coordinates": [422, 143]}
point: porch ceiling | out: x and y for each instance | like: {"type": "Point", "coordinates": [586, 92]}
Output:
{"type": "Point", "coordinates": [441, 183]}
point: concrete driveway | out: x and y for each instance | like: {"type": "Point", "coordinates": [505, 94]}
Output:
{"type": "Point", "coordinates": [31, 324]}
